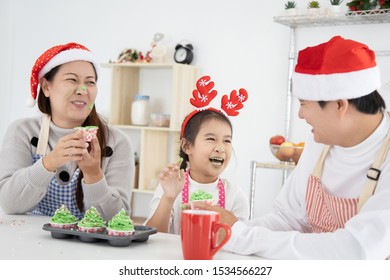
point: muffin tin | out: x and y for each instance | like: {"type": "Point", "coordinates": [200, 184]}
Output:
{"type": "Point", "coordinates": [141, 234]}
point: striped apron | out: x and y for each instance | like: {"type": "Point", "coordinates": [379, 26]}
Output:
{"type": "Point", "coordinates": [326, 212]}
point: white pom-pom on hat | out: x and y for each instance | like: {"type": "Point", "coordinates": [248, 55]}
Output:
{"type": "Point", "coordinates": [337, 69]}
{"type": "Point", "coordinates": [54, 57]}
{"type": "Point", "coordinates": [30, 101]}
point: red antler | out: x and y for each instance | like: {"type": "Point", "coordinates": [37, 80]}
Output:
{"type": "Point", "coordinates": [234, 103]}
{"type": "Point", "coordinates": [203, 95]}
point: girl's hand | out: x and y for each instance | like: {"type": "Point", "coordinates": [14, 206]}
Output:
{"type": "Point", "coordinates": [90, 163]}
{"type": "Point", "coordinates": [172, 180]}
{"type": "Point", "coordinates": [71, 147]}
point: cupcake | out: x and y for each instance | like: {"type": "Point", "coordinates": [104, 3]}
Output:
{"type": "Point", "coordinates": [92, 221]}
{"type": "Point", "coordinates": [201, 195]}
{"type": "Point", "coordinates": [62, 218]}
{"type": "Point", "coordinates": [120, 225]}
{"type": "Point", "coordinates": [88, 131]}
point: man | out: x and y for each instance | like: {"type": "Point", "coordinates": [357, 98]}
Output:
{"type": "Point", "coordinates": [336, 203]}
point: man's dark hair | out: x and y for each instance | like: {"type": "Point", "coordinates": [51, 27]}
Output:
{"type": "Point", "coordinates": [368, 104]}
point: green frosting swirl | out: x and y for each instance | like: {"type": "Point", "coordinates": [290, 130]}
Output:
{"type": "Point", "coordinates": [121, 221]}
{"type": "Point", "coordinates": [200, 195]}
{"type": "Point", "coordinates": [91, 219]}
{"type": "Point", "coordinates": [63, 216]}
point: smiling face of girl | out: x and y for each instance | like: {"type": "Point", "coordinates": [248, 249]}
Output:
{"type": "Point", "coordinates": [211, 151]}
{"type": "Point", "coordinates": [72, 91]}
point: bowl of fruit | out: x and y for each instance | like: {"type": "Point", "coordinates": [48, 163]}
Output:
{"type": "Point", "coordinates": [286, 151]}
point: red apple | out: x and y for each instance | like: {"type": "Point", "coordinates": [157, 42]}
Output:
{"type": "Point", "coordinates": [277, 140]}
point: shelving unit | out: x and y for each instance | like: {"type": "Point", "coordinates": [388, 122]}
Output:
{"type": "Point", "coordinates": [288, 167]}
{"type": "Point", "coordinates": [158, 145]}
{"type": "Point", "coordinates": [300, 21]}
{"type": "Point", "coordinates": [350, 18]}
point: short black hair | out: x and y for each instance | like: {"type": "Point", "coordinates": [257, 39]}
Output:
{"type": "Point", "coordinates": [368, 104]}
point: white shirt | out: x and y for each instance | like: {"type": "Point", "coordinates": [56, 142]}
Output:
{"type": "Point", "coordinates": [235, 201]}
{"type": "Point", "coordinates": [285, 233]}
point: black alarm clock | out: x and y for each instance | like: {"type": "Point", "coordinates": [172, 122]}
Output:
{"type": "Point", "coordinates": [183, 53]}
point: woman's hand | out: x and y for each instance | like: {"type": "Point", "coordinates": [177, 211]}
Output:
{"type": "Point", "coordinates": [172, 180]}
{"type": "Point", "coordinates": [71, 147]}
{"type": "Point", "coordinates": [90, 163]}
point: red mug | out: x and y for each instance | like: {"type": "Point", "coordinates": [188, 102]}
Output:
{"type": "Point", "coordinates": [199, 234]}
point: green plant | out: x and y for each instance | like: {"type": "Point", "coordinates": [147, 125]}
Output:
{"type": "Point", "coordinates": [336, 2]}
{"type": "Point", "coordinates": [290, 5]}
{"type": "Point", "coordinates": [313, 5]}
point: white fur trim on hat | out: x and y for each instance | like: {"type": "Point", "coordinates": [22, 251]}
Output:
{"type": "Point", "coordinates": [336, 86]}
{"type": "Point", "coordinates": [69, 56]}
{"type": "Point", "coordinates": [337, 69]}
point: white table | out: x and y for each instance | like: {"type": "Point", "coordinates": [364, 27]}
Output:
{"type": "Point", "coordinates": [22, 237]}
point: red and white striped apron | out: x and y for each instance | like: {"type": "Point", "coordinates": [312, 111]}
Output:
{"type": "Point", "coordinates": [326, 212]}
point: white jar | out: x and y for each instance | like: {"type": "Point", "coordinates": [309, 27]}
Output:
{"type": "Point", "coordinates": [140, 110]}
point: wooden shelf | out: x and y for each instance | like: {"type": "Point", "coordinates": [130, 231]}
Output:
{"type": "Point", "coordinates": [158, 145]}
{"type": "Point", "coordinates": [152, 128]}
{"type": "Point", "coordinates": [276, 165]}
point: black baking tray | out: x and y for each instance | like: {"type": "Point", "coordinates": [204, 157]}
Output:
{"type": "Point", "coordinates": [141, 234]}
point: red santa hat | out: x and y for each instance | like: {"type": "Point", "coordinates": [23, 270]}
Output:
{"type": "Point", "coordinates": [53, 57]}
{"type": "Point", "coordinates": [337, 69]}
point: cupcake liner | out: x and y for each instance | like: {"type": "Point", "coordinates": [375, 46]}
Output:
{"type": "Point", "coordinates": [91, 230]}
{"type": "Point", "coordinates": [88, 132]}
{"type": "Point", "coordinates": [114, 232]}
{"type": "Point", "coordinates": [64, 226]}
{"type": "Point", "coordinates": [209, 201]}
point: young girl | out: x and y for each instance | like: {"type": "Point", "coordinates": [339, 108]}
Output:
{"type": "Point", "coordinates": [206, 148]}
{"type": "Point", "coordinates": [45, 163]}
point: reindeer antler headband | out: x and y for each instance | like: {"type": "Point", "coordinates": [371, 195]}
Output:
{"type": "Point", "coordinates": [204, 94]}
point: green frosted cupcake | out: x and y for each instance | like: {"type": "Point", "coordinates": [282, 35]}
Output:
{"type": "Point", "coordinates": [63, 218]}
{"type": "Point", "coordinates": [92, 221]}
{"type": "Point", "coordinates": [201, 195]}
{"type": "Point", "coordinates": [120, 225]}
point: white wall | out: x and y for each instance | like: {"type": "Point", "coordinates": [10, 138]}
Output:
{"type": "Point", "coordinates": [236, 42]}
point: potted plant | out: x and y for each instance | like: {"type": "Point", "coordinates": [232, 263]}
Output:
{"type": "Point", "coordinates": [361, 5]}
{"type": "Point", "coordinates": [335, 7]}
{"type": "Point", "coordinates": [313, 7]}
{"type": "Point", "coordinates": [291, 8]}
{"type": "Point", "coordinates": [384, 4]}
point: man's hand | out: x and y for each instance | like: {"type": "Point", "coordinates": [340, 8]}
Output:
{"type": "Point", "coordinates": [226, 216]}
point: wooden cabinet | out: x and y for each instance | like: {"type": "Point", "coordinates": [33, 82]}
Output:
{"type": "Point", "coordinates": [172, 88]}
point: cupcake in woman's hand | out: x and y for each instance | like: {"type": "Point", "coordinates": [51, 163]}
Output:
{"type": "Point", "coordinates": [201, 195]}
{"type": "Point", "coordinates": [88, 131]}
{"type": "Point", "coordinates": [92, 221]}
{"type": "Point", "coordinates": [62, 218]}
{"type": "Point", "coordinates": [120, 225]}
